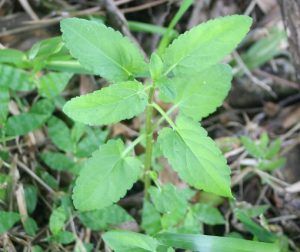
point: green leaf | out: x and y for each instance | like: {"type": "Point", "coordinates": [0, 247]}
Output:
{"type": "Point", "coordinates": [64, 237]}
{"type": "Point", "coordinates": [125, 241]}
{"type": "Point", "coordinates": [7, 220]}
{"type": "Point", "coordinates": [208, 214]}
{"type": "Point", "coordinates": [57, 220]}
{"type": "Point", "coordinates": [206, 243]}
{"type": "Point", "coordinates": [16, 79]}
{"type": "Point", "coordinates": [106, 177]}
{"type": "Point", "coordinates": [52, 84]}
{"type": "Point", "coordinates": [43, 49]}
{"type": "Point", "coordinates": [4, 99]}
{"type": "Point", "coordinates": [31, 198]}
{"type": "Point", "coordinates": [12, 56]}
{"type": "Point", "coordinates": [30, 226]}
{"type": "Point", "coordinates": [60, 134]}
{"type": "Point", "coordinates": [108, 105]}
{"type": "Point", "coordinates": [196, 157]}
{"type": "Point", "coordinates": [93, 138]}
{"type": "Point", "coordinates": [36, 249]}
{"type": "Point", "coordinates": [205, 45]}
{"type": "Point", "coordinates": [167, 198]}
{"type": "Point", "coordinates": [155, 66]}
{"type": "Point", "coordinates": [150, 218]}
{"type": "Point", "coordinates": [252, 148]}
{"type": "Point", "coordinates": [261, 233]}
{"type": "Point", "coordinates": [5, 184]}
{"type": "Point", "coordinates": [49, 179]}
{"type": "Point", "coordinates": [270, 165]}
{"type": "Point", "coordinates": [58, 161]}
{"type": "Point", "coordinates": [264, 140]}
{"type": "Point", "coordinates": [273, 149]}
{"type": "Point", "coordinates": [200, 94]}
{"type": "Point", "coordinates": [253, 211]}
{"type": "Point", "coordinates": [170, 201]}
{"type": "Point", "coordinates": [102, 50]}
{"type": "Point", "coordinates": [26, 122]}
{"type": "Point", "coordinates": [99, 220]}
{"type": "Point", "coordinates": [77, 132]}
{"type": "Point", "coordinates": [264, 49]}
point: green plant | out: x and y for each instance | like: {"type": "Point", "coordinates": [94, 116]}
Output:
{"type": "Point", "coordinates": [265, 153]}
{"type": "Point", "coordinates": [186, 74]}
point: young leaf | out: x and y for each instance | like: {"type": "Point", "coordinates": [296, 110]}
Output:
{"type": "Point", "coordinates": [273, 149]}
{"type": "Point", "coordinates": [155, 66]}
{"type": "Point", "coordinates": [102, 50]}
{"type": "Point", "coordinates": [125, 241]}
{"type": "Point", "coordinates": [7, 220]}
{"type": "Point", "coordinates": [200, 94]}
{"type": "Point", "coordinates": [44, 48]}
{"type": "Point", "coordinates": [60, 134]}
{"type": "Point", "coordinates": [52, 84]}
{"type": "Point", "coordinates": [205, 44]}
{"type": "Point", "coordinates": [26, 122]}
{"type": "Point", "coordinates": [251, 147]}
{"type": "Point", "coordinates": [270, 165]}
{"type": "Point", "coordinates": [108, 105]}
{"type": "Point", "coordinates": [171, 202]}
{"type": "Point", "coordinates": [105, 178]}
{"type": "Point", "coordinates": [57, 220]}
{"type": "Point", "coordinates": [102, 219]}
{"type": "Point", "coordinates": [214, 243]}
{"type": "Point", "coordinates": [196, 157]}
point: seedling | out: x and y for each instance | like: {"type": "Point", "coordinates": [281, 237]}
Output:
{"type": "Point", "coordinates": [187, 74]}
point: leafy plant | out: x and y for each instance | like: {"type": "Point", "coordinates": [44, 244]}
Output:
{"type": "Point", "coordinates": [265, 152]}
{"type": "Point", "coordinates": [186, 74]}
{"type": "Point", "coordinates": [193, 154]}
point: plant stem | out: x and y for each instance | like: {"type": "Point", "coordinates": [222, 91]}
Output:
{"type": "Point", "coordinates": [149, 141]}
{"type": "Point", "coordinates": [164, 114]}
